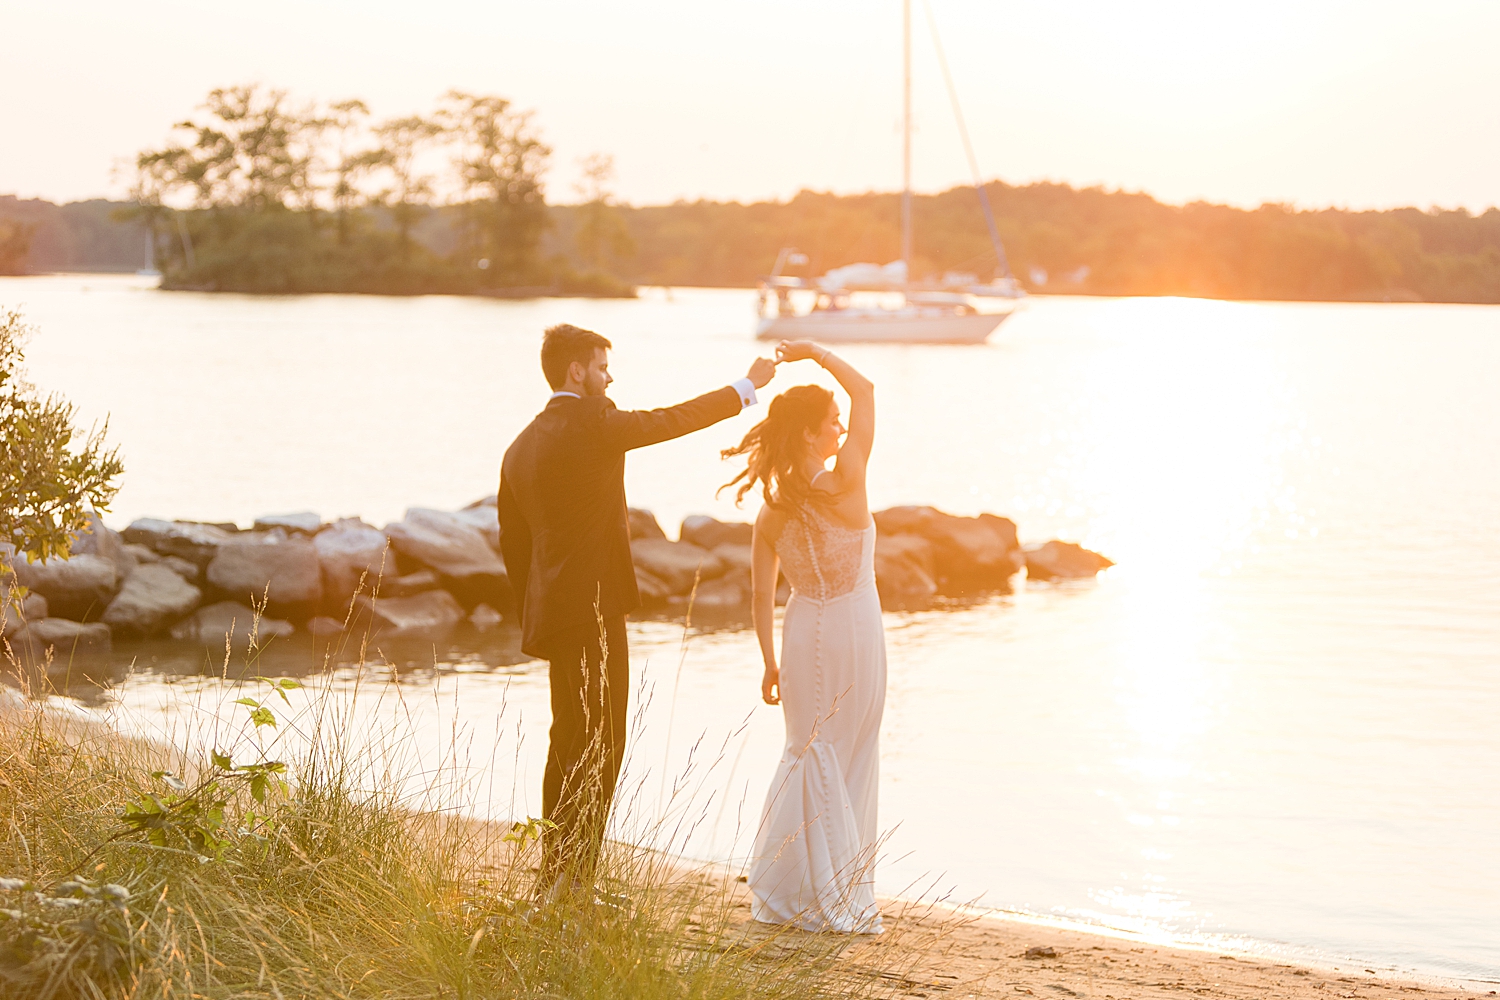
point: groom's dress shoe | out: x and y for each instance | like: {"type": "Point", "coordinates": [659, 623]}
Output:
{"type": "Point", "coordinates": [614, 901]}
{"type": "Point", "coordinates": [563, 888]}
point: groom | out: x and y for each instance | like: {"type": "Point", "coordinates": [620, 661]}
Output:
{"type": "Point", "coordinates": [565, 537]}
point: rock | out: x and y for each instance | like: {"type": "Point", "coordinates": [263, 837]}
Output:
{"type": "Point", "coordinates": [349, 550]}
{"type": "Point", "coordinates": [709, 533]}
{"type": "Point", "coordinates": [411, 583]}
{"type": "Point", "coordinates": [67, 640]}
{"type": "Point", "coordinates": [210, 625]}
{"type": "Point", "coordinates": [189, 571]}
{"type": "Point", "coordinates": [305, 522]}
{"type": "Point", "coordinates": [1063, 561]}
{"type": "Point", "coordinates": [735, 557]}
{"type": "Point", "coordinates": [913, 548]}
{"type": "Point", "coordinates": [79, 588]}
{"type": "Point", "coordinates": [727, 593]}
{"type": "Point", "coordinates": [153, 598]}
{"type": "Point", "coordinates": [432, 611]}
{"type": "Point", "coordinates": [677, 564]}
{"type": "Point", "coordinates": [492, 501]}
{"type": "Point", "coordinates": [485, 618]}
{"type": "Point", "coordinates": [1003, 527]}
{"type": "Point", "coordinates": [268, 566]}
{"type": "Point", "coordinates": [643, 525]}
{"type": "Point", "coordinates": [192, 541]}
{"type": "Point", "coordinates": [1041, 951]}
{"type": "Point", "coordinates": [141, 554]}
{"type": "Point", "coordinates": [322, 626]}
{"type": "Point", "coordinates": [654, 590]}
{"type": "Point", "coordinates": [485, 521]}
{"type": "Point", "coordinates": [458, 552]}
{"type": "Point", "coordinates": [970, 552]}
{"type": "Point", "coordinates": [905, 566]}
{"type": "Point", "coordinates": [99, 539]}
{"type": "Point", "coordinates": [33, 609]}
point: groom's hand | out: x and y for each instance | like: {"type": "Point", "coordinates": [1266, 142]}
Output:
{"type": "Point", "coordinates": [761, 371]}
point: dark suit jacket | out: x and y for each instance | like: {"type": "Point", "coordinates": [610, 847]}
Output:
{"type": "Point", "coordinates": [564, 531]}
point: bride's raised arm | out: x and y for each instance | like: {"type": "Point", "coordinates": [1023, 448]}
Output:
{"type": "Point", "coordinates": [855, 452]}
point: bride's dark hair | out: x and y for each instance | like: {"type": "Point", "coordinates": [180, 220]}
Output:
{"type": "Point", "coordinates": [775, 447]}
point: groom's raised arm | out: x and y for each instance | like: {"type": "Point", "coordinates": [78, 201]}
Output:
{"type": "Point", "coordinates": [622, 430]}
{"type": "Point", "coordinates": [626, 429]}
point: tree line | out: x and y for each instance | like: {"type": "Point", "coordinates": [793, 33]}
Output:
{"type": "Point", "coordinates": [1087, 241]}
{"type": "Point", "coordinates": [1058, 239]}
{"type": "Point", "coordinates": [258, 194]}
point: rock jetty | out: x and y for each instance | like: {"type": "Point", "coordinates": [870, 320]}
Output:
{"type": "Point", "coordinates": [429, 571]}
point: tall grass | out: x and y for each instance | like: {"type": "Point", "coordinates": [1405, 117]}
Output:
{"type": "Point", "coordinates": [337, 883]}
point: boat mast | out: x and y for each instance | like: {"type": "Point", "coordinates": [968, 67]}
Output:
{"type": "Point", "coordinates": [963, 132]}
{"type": "Point", "coordinates": [906, 137]}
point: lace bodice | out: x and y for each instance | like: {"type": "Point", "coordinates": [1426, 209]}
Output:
{"type": "Point", "coordinates": [823, 559]}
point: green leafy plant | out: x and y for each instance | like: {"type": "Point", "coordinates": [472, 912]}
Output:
{"type": "Point", "coordinates": [195, 815]}
{"type": "Point", "coordinates": [530, 830]}
{"type": "Point", "coordinates": [51, 475]}
{"type": "Point", "coordinates": [260, 714]}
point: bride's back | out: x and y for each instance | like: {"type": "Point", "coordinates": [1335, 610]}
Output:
{"type": "Point", "coordinates": [822, 556]}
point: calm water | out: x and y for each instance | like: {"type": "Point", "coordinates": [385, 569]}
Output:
{"type": "Point", "coordinates": [1272, 724]}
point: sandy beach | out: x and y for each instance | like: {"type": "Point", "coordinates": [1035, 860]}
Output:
{"type": "Point", "coordinates": [987, 957]}
{"type": "Point", "coordinates": [950, 955]}
{"type": "Point", "coordinates": [936, 950]}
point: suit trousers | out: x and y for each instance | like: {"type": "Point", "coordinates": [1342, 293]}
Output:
{"type": "Point", "coordinates": [590, 679]}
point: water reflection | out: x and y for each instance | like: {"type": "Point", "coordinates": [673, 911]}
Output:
{"type": "Point", "coordinates": [90, 680]}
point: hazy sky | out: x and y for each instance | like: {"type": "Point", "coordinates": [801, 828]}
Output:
{"type": "Point", "coordinates": [1317, 102]}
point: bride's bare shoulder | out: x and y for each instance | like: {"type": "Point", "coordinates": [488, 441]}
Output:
{"type": "Point", "coordinates": [847, 505]}
{"type": "Point", "coordinates": [768, 524]}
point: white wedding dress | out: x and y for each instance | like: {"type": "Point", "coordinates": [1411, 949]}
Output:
{"type": "Point", "coordinates": [814, 858]}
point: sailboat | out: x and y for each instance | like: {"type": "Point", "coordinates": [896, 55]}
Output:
{"type": "Point", "coordinates": [943, 312]}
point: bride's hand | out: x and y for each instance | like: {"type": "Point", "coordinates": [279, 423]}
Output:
{"type": "Point", "coordinates": [799, 350]}
{"type": "Point", "coordinates": [770, 686]}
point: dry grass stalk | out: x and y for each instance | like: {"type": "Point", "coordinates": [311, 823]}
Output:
{"type": "Point", "coordinates": [339, 884]}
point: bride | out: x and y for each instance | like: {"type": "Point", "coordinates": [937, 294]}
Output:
{"type": "Point", "coordinates": [814, 858]}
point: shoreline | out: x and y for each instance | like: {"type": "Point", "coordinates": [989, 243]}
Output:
{"type": "Point", "coordinates": [949, 934]}
{"type": "Point", "coordinates": [961, 950]}
{"type": "Point", "coordinates": [966, 950]}
{"type": "Point", "coordinates": [984, 955]}
{"type": "Point", "coordinates": [1241, 948]}
{"type": "Point", "coordinates": [539, 293]}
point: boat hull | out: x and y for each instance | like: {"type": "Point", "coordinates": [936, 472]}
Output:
{"type": "Point", "coordinates": [873, 327]}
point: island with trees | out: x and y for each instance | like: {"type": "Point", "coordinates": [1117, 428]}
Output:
{"type": "Point", "coordinates": [260, 195]}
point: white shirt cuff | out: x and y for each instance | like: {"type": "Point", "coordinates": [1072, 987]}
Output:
{"type": "Point", "coordinates": [746, 389]}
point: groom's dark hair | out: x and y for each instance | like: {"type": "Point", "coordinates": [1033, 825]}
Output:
{"type": "Point", "coordinates": [562, 345]}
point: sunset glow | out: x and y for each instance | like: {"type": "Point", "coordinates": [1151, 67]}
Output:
{"type": "Point", "coordinates": [1320, 103]}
